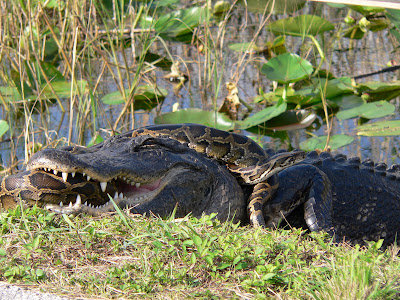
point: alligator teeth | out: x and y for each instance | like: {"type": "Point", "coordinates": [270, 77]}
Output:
{"type": "Point", "coordinates": [70, 204]}
{"type": "Point", "coordinates": [83, 174]}
{"type": "Point", "coordinates": [73, 174]}
{"type": "Point", "coordinates": [78, 200]}
{"type": "Point", "coordinates": [61, 204]}
{"type": "Point", "coordinates": [64, 176]}
{"type": "Point", "coordinates": [121, 196]}
{"type": "Point", "coordinates": [116, 196]}
{"type": "Point", "coordinates": [88, 177]}
{"type": "Point", "coordinates": [103, 186]}
{"type": "Point", "coordinates": [85, 203]}
{"type": "Point", "coordinates": [137, 184]}
{"type": "Point", "coordinates": [55, 172]}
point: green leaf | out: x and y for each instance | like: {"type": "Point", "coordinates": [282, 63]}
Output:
{"type": "Point", "coordinates": [368, 110]}
{"type": "Point", "coordinates": [383, 128]}
{"type": "Point", "coordinates": [377, 90]}
{"type": "Point", "coordinates": [209, 260]}
{"type": "Point", "coordinates": [275, 7]}
{"type": "Point", "coordinates": [367, 10]}
{"type": "Point", "coordinates": [195, 115]}
{"type": "Point", "coordinates": [10, 94]}
{"type": "Point", "coordinates": [146, 97]}
{"type": "Point", "coordinates": [346, 101]}
{"type": "Point", "coordinates": [241, 47]}
{"type": "Point", "coordinates": [394, 16]}
{"type": "Point", "coordinates": [287, 68]}
{"type": "Point", "coordinates": [335, 142]}
{"type": "Point", "coordinates": [263, 115]}
{"type": "Point", "coordinates": [96, 139]}
{"type": "Point", "coordinates": [302, 25]}
{"type": "Point", "coordinates": [180, 22]}
{"type": "Point", "coordinates": [3, 127]}
{"type": "Point", "coordinates": [63, 89]}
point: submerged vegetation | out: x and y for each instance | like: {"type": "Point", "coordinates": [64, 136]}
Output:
{"type": "Point", "coordinates": [81, 71]}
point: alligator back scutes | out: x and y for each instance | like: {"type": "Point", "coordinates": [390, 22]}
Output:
{"type": "Point", "coordinates": [340, 160]}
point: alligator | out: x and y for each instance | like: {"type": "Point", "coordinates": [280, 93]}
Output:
{"type": "Point", "coordinates": [189, 168]}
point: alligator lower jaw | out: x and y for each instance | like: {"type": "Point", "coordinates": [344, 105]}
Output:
{"type": "Point", "coordinates": [128, 194]}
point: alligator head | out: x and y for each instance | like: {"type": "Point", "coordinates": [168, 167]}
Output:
{"type": "Point", "coordinates": [144, 173]}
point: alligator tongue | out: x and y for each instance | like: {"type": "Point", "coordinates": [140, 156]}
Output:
{"type": "Point", "coordinates": [128, 189]}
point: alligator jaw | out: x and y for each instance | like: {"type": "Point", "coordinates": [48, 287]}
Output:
{"type": "Point", "coordinates": [128, 193]}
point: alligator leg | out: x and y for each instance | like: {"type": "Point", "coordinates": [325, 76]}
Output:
{"type": "Point", "coordinates": [262, 193]}
{"type": "Point", "coordinates": [302, 185]}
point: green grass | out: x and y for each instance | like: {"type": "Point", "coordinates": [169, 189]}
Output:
{"type": "Point", "coordinates": [133, 256]}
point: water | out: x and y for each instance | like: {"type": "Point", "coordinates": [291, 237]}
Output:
{"type": "Point", "coordinates": [350, 58]}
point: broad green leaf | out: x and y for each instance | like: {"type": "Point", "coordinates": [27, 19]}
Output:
{"type": "Point", "coordinates": [367, 10]}
{"type": "Point", "coordinates": [195, 115]}
{"type": "Point", "coordinates": [335, 142]}
{"type": "Point", "coordinates": [63, 89]}
{"type": "Point", "coordinates": [370, 110]}
{"type": "Point", "coordinates": [3, 127]}
{"type": "Point", "coordinates": [394, 16]}
{"type": "Point", "coordinates": [10, 94]}
{"type": "Point", "coordinates": [377, 90]}
{"type": "Point", "coordinates": [334, 87]}
{"type": "Point", "coordinates": [383, 128]}
{"type": "Point", "coordinates": [275, 7]}
{"type": "Point", "coordinates": [302, 25]}
{"type": "Point", "coordinates": [263, 115]}
{"type": "Point", "coordinates": [96, 139]}
{"type": "Point", "coordinates": [51, 72]}
{"type": "Point", "coordinates": [241, 47]}
{"type": "Point", "coordinates": [287, 68]}
{"type": "Point", "coordinates": [329, 89]}
{"type": "Point", "coordinates": [346, 101]}
{"type": "Point", "coordinates": [146, 97]}
{"type": "Point", "coordinates": [180, 22]}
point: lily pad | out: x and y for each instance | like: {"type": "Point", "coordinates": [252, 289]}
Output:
{"type": "Point", "coordinates": [287, 68]}
{"type": "Point", "coordinates": [383, 128]}
{"type": "Point", "coordinates": [302, 25]}
{"type": "Point", "coordinates": [335, 142]}
{"type": "Point", "coordinates": [275, 7]}
{"type": "Point", "coordinates": [3, 127]}
{"type": "Point", "coordinates": [63, 89]}
{"type": "Point", "coordinates": [370, 110]}
{"type": "Point", "coordinates": [263, 115]}
{"type": "Point", "coordinates": [195, 115]}
{"type": "Point", "coordinates": [180, 22]}
{"type": "Point", "coordinates": [377, 90]}
{"type": "Point", "coordinates": [146, 97]}
{"type": "Point", "coordinates": [346, 101]}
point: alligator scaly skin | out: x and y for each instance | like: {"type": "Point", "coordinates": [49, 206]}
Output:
{"type": "Point", "coordinates": [360, 199]}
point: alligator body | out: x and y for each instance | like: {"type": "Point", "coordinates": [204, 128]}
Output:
{"type": "Point", "coordinates": [361, 200]}
{"type": "Point", "coordinates": [197, 169]}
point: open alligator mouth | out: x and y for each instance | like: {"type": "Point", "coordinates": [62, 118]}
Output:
{"type": "Point", "coordinates": [75, 192]}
